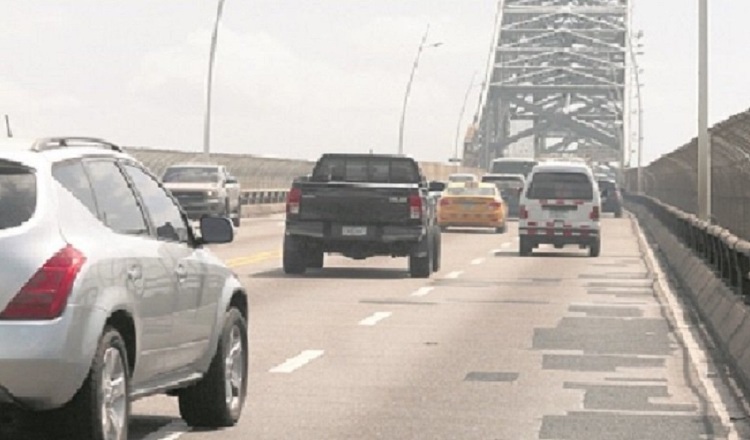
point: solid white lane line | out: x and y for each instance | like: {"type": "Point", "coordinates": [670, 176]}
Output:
{"type": "Point", "coordinates": [424, 291]}
{"type": "Point", "coordinates": [298, 362]}
{"type": "Point", "coordinates": [172, 431]}
{"type": "Point", "coordinates": [696, 354]}
{"type": "Point", "coordinates": [375, 318]}
{"type": "Point", "coordinates": [454, 275]}
{"type": "Point", "coordinates": [478, 261]}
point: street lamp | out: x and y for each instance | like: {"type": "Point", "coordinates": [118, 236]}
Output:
{"type": "Point", "coordinates": [422, 48]}
{"type": "Point", "coordinates": [637, 71]}
{"type": "Point", "coordinates": [209, 82]}
{"type": "Point", "coordinates": [704, 143]}
{"type": "Point", "coordinates": [461, 117]}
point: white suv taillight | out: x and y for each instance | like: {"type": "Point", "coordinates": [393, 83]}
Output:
{"type": "Point", "coordinates": [523, 213]}
{"type": "Point", "coordinates": [293, 201]}
{"type": "Point", "coordinates": [46, 294]}
{"type": "Point", "coordinates": [415, 207]}
{"type": "Point", "coordinates": [595, 214]}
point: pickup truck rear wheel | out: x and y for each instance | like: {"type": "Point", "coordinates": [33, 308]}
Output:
{"type": "Point", "coordinates": [216, 401]}
{"type": "Point", "coordinates": [295, 258]}
{"type": "Point", "coordinates": [237, 218]}
{"type": "Point", "coordinates": [437, 250]}
{"type": "Point", "coordinates": [315, 258]}
{"type": "Point", "coordinates": [421, 266]}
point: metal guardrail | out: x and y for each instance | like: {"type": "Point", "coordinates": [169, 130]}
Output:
{"type": "Point", "coordinates": [263, 196]}
{"type": "Point", "coordinates": [727, 254]}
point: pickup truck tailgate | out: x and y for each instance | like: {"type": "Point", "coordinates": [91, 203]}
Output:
{"type": "Point", "coordinates": [356, 204]}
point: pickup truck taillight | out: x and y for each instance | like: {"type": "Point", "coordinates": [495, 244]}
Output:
{"type": "Point", "coordinates": [293, 200]}
{"type": "Point", "coordinates": [45, 295]}
{"type": "Point", "coordinates": [415, 207]}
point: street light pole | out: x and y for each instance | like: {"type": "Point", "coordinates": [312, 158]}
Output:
{"type": "Point", "coordinates": [422, 47]}
{"type": "Point", "coordinates": [704, 142]}
{"type": "Point", "coordinates": [640, 133]}
{"type": "Point", "coordinates": [639, 91]}
{"type": "Point", "coordinates": [461, 117]}
{"type": "Point", "coordinates": [8, 131]}
{"type": "Point", "coordinates": [209, 82]}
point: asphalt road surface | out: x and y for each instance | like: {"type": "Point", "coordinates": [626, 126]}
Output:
{"type": "Point", "coordinates": [494, 346]}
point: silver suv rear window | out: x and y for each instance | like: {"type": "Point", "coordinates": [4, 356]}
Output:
{"type": "Point", "coordinates": [546, 186]}
{"type": "Point", "coordinates": [17, 194]}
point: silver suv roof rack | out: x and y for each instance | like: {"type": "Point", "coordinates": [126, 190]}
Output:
{"type": "Point", "coordinates": [63, 142]}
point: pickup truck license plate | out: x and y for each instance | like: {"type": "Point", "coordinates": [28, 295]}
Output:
{"type": "Point", "coordinates": [354, 231]}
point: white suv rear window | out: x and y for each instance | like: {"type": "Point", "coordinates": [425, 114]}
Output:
{"type": "Point", "coordinates": [546, 186]}
{"type": "Point", "coordinates": [17, 195]}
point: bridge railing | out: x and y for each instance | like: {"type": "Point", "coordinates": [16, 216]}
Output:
{"type": "Point", "coordinates": [726, 253]}
{"type": "Point", "coordinates": [673, 177]}
{"type": "Point", "coordinates": [263, 196]}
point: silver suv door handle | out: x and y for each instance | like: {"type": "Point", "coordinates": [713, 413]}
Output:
{"type": "Point", "coordinates": [135, 273]}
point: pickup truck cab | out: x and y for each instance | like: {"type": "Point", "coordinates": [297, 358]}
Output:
{"type": "Point", "coordinates": [362, 206]}
{"type": "Point", "coordinates": [205, 190]}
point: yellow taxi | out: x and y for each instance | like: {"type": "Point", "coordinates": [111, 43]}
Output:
{"type": "Point", "coordinates": [473, 204]}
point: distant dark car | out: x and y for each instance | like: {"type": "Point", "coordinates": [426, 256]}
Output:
{"type": "Point", "coordinates": [510, 187]}
{"type": "Point", "coordinates": [611, 197]}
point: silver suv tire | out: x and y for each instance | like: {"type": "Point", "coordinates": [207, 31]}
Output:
{"type": "Point", "coordinates": [216, 401]}
{"type": "Point", "coordinates": [101, 408]}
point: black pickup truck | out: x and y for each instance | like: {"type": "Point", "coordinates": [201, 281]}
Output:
{"type": "Point", "coordinates": [362, 206]}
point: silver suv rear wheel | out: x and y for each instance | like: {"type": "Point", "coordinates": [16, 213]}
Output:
{"type": "Point", "coordinates": [101, 408]}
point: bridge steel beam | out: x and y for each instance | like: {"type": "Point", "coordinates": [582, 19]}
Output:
{"type": "Point", "coordinates": [558, 84]}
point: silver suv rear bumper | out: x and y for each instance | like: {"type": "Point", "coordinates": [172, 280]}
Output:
{"type": "Point", "coordinates": [44, 363]}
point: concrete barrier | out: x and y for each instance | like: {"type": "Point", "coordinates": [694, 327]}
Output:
{"type": "Point", "coordinates": [724, 312]}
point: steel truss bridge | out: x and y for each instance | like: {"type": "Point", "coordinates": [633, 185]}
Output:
{"type": "Point", "coordinates": [556, 82]}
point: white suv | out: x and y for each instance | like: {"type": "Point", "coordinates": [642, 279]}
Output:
{"type": "Point", "coordinates": [560, 205]}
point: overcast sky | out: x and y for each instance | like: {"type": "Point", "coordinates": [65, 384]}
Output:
{"type": "Point", "coordinates": [298, 78]}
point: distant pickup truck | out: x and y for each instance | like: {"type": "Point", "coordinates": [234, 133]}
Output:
{"type": "Point", "coordinates": [362, 206]}
{"type": "Point", "coordinates": [205, 190]}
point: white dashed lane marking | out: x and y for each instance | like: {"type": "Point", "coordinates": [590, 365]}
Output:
{"type": "Point", "coordinates": [454, 275]}
{"type": "Point", "coordinates": [424, 291]}
{"type": "Point", "coordinates": [478, 261]}
{"type": "Point", "coordinates": [172, 431]}
{"type": "Point", "coordinates": [375, 318]}
{"type": "Point", "coordinates": [298, 362]}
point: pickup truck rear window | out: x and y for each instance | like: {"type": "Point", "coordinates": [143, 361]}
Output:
{"type": "Point", "coordinates": [561, 186]}
{"type": "Point", "coordinates": [365, 169]}
{"type": "Point", "coordinates": [17, 195]}
{"type": "Point", "coordinates": [191, 175]}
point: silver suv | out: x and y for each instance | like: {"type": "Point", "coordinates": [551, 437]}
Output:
{"type": "Point", "coordinates": [107, 295]}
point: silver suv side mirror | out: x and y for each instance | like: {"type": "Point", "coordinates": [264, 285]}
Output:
{"type": "Point", "coordinates": [216, 230]}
